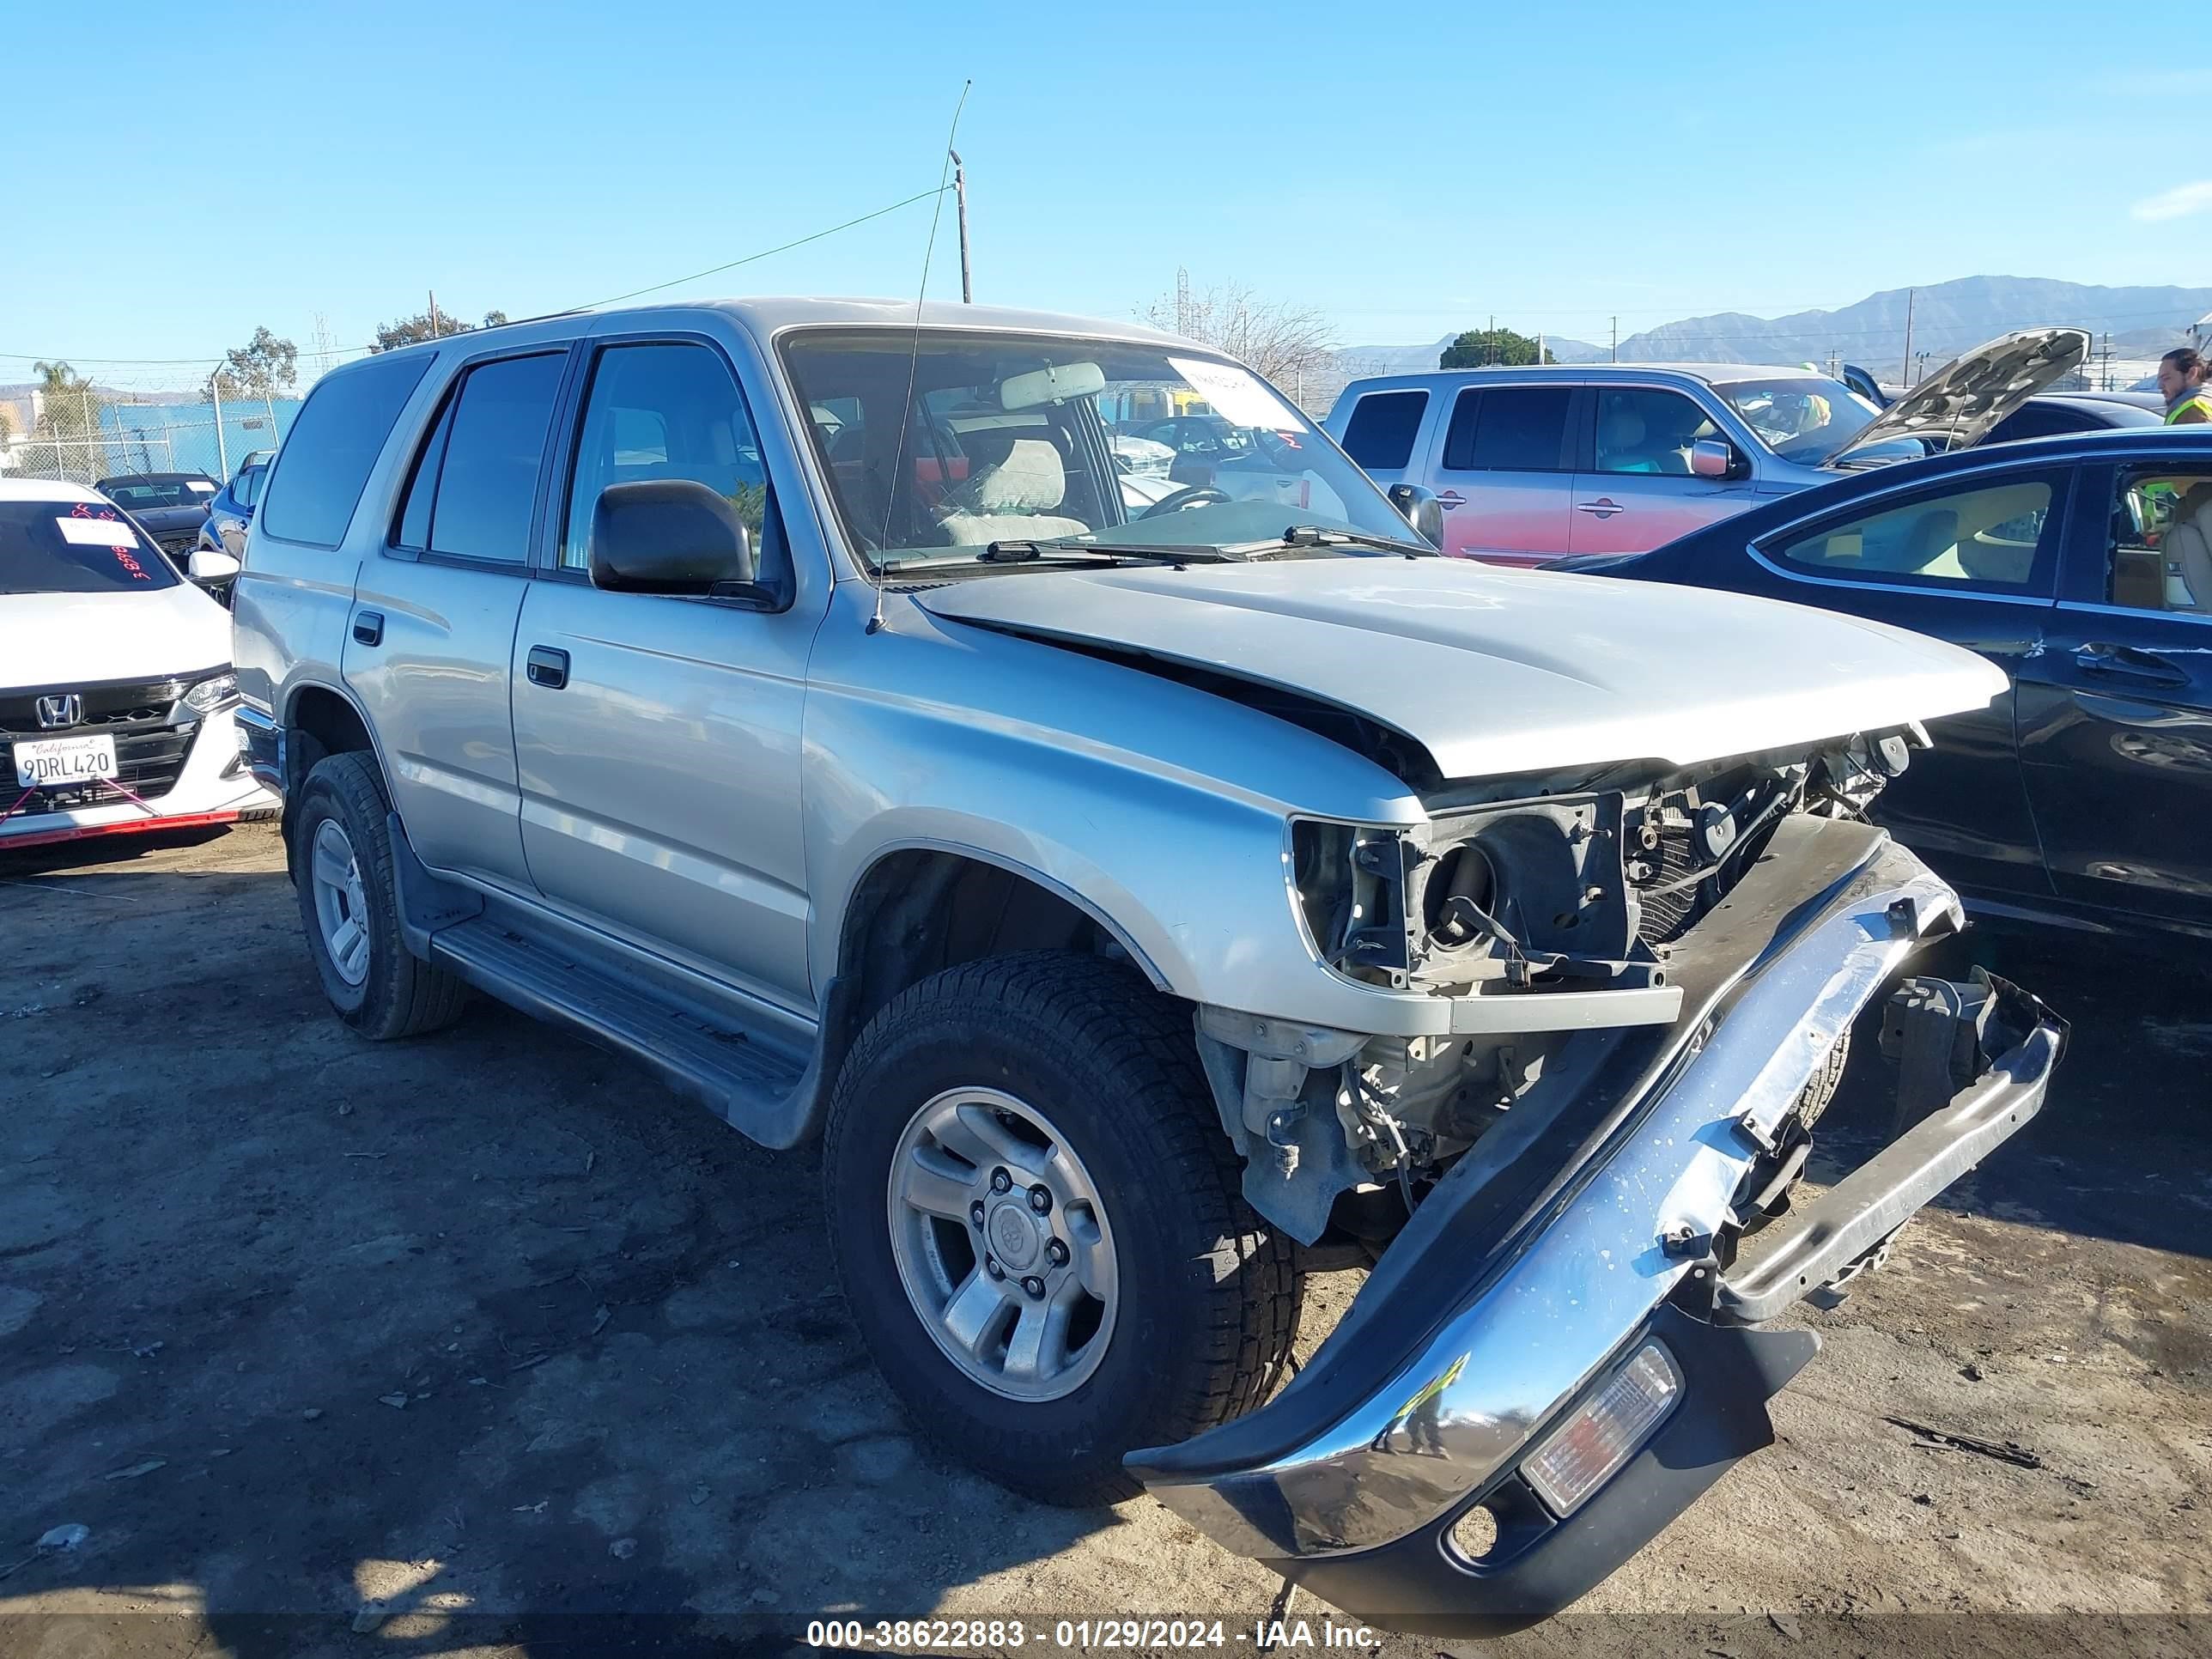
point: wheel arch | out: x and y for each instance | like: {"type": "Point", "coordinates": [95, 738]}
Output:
{"type": "Point", "coordinates": [919, 906]}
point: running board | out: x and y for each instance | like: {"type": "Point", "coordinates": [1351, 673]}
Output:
{"type": "Point", "coordinates": [763, 1092]}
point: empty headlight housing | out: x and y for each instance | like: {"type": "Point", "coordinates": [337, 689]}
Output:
{"type": "Point", "coordinates": [217, 692]}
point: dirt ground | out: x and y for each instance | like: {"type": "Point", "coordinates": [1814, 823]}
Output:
{"type": "Point", "coordinates": [483, 1335]}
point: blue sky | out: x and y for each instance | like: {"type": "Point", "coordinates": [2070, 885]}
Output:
{"type": "Point", "coordinates": [1404, 169]}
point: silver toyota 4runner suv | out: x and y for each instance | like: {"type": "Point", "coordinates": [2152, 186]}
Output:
{"type": "Point", "coordinates": [1150, 895]}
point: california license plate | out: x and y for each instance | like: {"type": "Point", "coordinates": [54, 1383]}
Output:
{"type": "Point", "coordinates": [58, 763]}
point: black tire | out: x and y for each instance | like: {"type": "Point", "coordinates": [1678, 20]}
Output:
{"type": "Point", "coordinates": [401, 995]}
{"type": "Point", "coordinates": [1208, 1292]}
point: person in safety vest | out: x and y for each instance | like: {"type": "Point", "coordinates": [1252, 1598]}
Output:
{"type": "Point", "coordinates": [2182, 376]}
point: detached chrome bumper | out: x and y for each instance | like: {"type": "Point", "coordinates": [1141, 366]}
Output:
{"type": "Point", "coordinates": [1423, 1402]}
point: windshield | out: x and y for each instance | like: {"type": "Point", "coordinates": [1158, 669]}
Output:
{"type": "Point", "coordinates": [75, 547]}
{"type": "Point", "coordinates": [1027, 438]}
{"type": "Point", "coordinates": [1806, 420]}
{"type": "Point", "coordinates": [151, 495]}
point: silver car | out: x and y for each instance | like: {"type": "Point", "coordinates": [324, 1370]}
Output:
{"type": "Point", "coordinates": [1148, 901]}
{"type": "Point", "coordinates": [1532, 465]}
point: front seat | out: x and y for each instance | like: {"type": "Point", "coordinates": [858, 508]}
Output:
{"type": "Point", "coordinates": [1620, 441]}
{"type": "Point", "coordinates": [1011, 496]}
{"type": "Point", "coordinates": [2189, 544]}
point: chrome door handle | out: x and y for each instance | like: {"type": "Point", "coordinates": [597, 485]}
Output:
{"type": "Point", "coordinates": [1603, 508]}
{"type": "Point", "coordinates": [1451, 498]}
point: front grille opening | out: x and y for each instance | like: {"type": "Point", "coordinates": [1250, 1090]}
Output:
{"type": "Point", "coordinates": [147, 763]}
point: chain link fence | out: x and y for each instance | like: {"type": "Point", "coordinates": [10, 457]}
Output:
{"type": "Point", "coordinates": [85, 433]}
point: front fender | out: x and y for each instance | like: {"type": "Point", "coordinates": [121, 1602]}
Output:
{"type": "Point", "coordinates": [1160, 809]}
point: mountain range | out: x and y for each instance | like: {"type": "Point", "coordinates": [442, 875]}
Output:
{"type": "Point", "coordinates": [1948, 317]}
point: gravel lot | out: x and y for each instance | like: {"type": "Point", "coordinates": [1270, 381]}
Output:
{"type": "Point", "coordinates": [484, 1332]}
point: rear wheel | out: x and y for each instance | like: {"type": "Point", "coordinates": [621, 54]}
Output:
{"type": "Point", "coordinates": [1039, 1227]}
{"type": "Point", "coordinates": [340, 857]}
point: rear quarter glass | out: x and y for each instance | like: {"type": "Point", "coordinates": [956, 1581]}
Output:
{"type": "Point", "coordinates": [333, 446]}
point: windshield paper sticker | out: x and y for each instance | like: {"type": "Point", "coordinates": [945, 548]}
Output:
{"type": "Point", "coordinates": [1237, 394]}
{"type": "Point", "coordinates": [200, 487]}
{"type": "Point", "coordinates": [96, 532]}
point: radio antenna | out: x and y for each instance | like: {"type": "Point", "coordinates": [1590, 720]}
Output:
{"type": "Point", "coordinates": [914, 353]}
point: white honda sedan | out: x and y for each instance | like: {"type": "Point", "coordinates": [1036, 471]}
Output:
{"type": "Point", "coordinates": [115, 686]}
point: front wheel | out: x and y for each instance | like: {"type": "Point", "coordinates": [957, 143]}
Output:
{"type": "Point", "coordinates": [1039, 1228]}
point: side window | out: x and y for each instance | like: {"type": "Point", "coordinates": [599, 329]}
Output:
{"type": "Point", "coordinates": [2161, 542]}
{"type": "Point", "coordinates": [1509, 428]}
{"type": "Point", "coordinates": [670, 411]}
{"type": "Point", "coordinates": [248, 490]}
{"type": "Point", "coordinates": [333, 446]}
{"type": "Point", "coordinates": [1643, 429]}
{"type": "Point", "coordinates": [1380, 433]}
{"type": "Point", "coordinates": [479, 470]}
{"type": "Point", "coordinates": [1997, 537]}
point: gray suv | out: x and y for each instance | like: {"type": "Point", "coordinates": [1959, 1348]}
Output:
{"type": "Point", "coordinates": [1151, 893]}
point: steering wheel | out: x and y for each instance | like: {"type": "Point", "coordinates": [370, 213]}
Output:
{"type": "Point", "coordinates": [1194, 495]}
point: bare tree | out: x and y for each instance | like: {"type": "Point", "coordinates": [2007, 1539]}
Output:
{"type": "Point", "coordinates": [1285, 342]}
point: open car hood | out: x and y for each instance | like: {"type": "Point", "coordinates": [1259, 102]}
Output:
{"type": "Point", "coordinates": [1959, 403]}
{"type": "Point", "coordinates": [1503, 672]}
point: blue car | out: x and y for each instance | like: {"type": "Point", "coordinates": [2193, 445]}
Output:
{"type": "Point", "coordinates": [2082, 567]}
{"type": "Point", "coordinates": [231, 508]}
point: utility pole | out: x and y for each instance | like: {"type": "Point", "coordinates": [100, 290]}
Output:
{"type": "Point", "coordinates": [1182, 301]}
{"type": "Point", "coordinates": [1616, 339]}
{"type": "Point", "coordinates": [1909, 294]}
{"type": "Point", "coordinates": [434, 314]}
{"type": "Point", "coordinates": [960, 200]}
{"type": "Point", "coordinates": [1490, 341]}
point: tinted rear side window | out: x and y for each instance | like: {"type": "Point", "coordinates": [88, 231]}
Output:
{"type": "Point", "coordinates": [1380, 433]}
{"type": "Point", "coordinates": [1509, 429]}
{"type": "Point", "coordinates": [487, 484]}
{"type": "Point", "coordinates": [332, 445]}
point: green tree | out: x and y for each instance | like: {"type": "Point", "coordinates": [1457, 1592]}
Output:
{"type": "Point", "coordinates": [264, 367]}
{"type": "Point", "coordinates": [1480, 347]}
{"type": "Point", "coordinates": [412, 331]}
{"type": "Point", "coordinates": [65, 437]}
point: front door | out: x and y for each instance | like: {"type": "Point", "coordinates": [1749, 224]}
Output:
{"type": "Point", "coordinates": [1972, 560]}
{"type": "Point", "coordinates": [1506, 473]}
{"type": "Point", "coordinates": [658, 737]}
{"type": "Point", "coordinates": [2116, 713]}
{"type": "Point", "coordinates": [1639, 493]}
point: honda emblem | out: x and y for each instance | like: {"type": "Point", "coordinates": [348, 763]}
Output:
{"type": "Point", "coordinates": [57, 712]}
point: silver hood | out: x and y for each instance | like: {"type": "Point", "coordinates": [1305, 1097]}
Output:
{"type": "Point", "coordinates": [1960, 402]}
{"type": "Point", "coordinates": [1503, 673]}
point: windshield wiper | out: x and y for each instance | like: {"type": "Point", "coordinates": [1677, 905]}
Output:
{"type": "Point", "coordinates": [1312, 535]}
{"type": "Point", "coordinates": [1013, 552]}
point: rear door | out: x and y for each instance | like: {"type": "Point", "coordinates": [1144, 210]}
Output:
{"type": "Point", "coordinates": [1504, 473]}
{"type": "Point", "coordinates": [1639, 492]}
{"type": "Point", "coordinates": [2116, 712]}
{"type": "Point", "coordinates": [1972, 559]}
{"type": "Point", "coordinates": [433, 626]}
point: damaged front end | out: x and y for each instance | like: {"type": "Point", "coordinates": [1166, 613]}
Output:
{"type": "Point", "coordinates": [1651, 982]}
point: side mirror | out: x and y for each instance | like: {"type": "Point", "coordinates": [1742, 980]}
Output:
{"type": "Point", "coordinates": [210, 568]}
{"type": "Point", "coordinates": [668, 535]}
{"type": "Point", "coordinates": [1422, 510]}
{"type": "Point", "coordinates": [1716, 458]}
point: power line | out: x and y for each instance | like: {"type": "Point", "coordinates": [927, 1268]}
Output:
{"type": "Point", "coordinates": [73, 359]}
